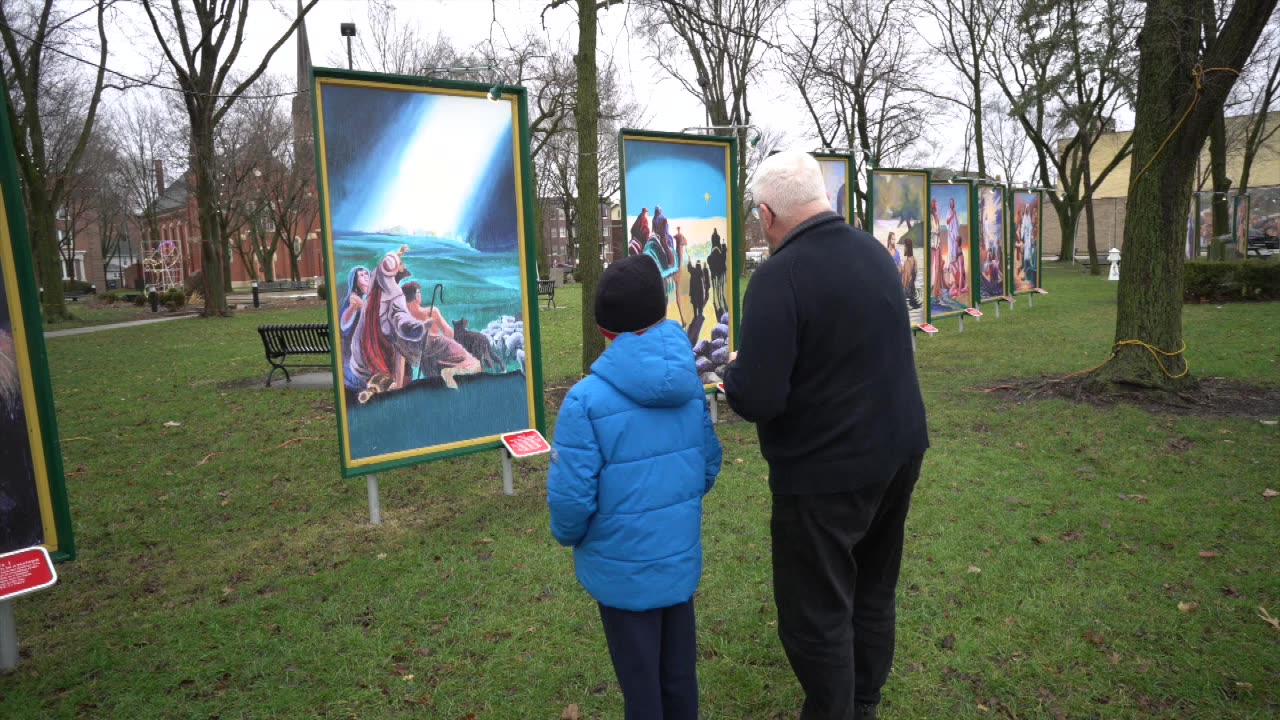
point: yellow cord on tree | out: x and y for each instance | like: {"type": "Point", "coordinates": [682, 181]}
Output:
{"type": "Point", "coordinates": [1156, 352]}
{"type": "Point", "coordinates": [1198, 72]}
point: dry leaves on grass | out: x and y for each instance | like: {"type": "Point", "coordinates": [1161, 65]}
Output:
{"type": "Point", "coordinates": [1266, 617]}
{"type": "Point", "coordinates": [571, 713]}
{"type": "Point", "coordinates": [1269, 493]}
{"type": "Point", "coordinates": [1094, 638]}
{"type": "Point", "coordinates": [1207, 554]}
{"type": "Point", "coordinates": [1140, 499]}
{"type": "Point", "coordinates": [1188, 607]}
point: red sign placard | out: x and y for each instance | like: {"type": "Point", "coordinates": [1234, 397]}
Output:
{"type": "Point", "coordinates": [25, 571]}
{"type": "Point", "coordinates": [720, 387]}
{"type": "Point", "coordinates": [525, 443]}
{"type": "Point", "coordinates": [927, 328]}
{"type": "Point", "coordinates": [974, 312]}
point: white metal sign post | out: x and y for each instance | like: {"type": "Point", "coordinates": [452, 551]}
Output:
{"type": "Point", "coordinates": [21, 572]}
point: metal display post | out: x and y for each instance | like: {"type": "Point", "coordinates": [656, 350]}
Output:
{"type": "Point", "coordinates": [8, 638]}
{"type": "Point", "coordinates": [714, 408]}
{"type": "Point", "coordinates": [375, 507]}
{"type": "Point", "coordinates": [508, 482]}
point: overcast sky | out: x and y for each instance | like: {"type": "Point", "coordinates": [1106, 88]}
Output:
{"type": "Point", "coordinates": [774, 104]}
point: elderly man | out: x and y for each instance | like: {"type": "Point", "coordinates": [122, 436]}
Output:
{"type": "Point", "coordinates": [826, 372]}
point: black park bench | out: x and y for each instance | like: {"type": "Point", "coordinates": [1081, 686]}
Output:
{"type": "Point", "coordinates": [547, 289]}
{"type": "Point", "coordinates": [281, 342]}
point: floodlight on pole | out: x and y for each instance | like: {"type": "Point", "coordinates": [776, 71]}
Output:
{"type": "Point", "coordinates": [348, 31]}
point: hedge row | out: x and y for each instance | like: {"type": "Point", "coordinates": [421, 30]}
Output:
{"type": "Point", "coordinates": [1231, 281]}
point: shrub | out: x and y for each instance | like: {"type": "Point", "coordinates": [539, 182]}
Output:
{"type": "Point", "coordinates": [1231, 281]}
{"type": "Point", "coordinates": [173, 298]}
{"type": "Point", "coordinates": [322, 291]}
{"type": "Point", "coordinates": [140, 300]}
{"type": "Point", "coordinates": [76, 286]}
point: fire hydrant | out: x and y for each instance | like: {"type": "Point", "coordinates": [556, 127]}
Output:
{"type": "Point", "coordinates": [1114, 258]}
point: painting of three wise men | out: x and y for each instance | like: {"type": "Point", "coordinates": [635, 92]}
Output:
{"type": "Point", "coordinates": [427, 266]}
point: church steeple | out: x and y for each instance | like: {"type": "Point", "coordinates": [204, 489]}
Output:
{"type": "Point", "coordinates": [302, 101]}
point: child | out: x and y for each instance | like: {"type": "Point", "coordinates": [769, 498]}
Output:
{"type": "Point", "coordinates": [634, 453]}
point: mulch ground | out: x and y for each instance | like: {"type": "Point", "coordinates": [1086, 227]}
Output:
{"type": "Point", "coordinates": [1210, 397]}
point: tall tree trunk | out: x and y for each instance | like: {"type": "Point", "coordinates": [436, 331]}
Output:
{"type": "Point", "coordinates": [1068, 219]}
{"type": "Point", "coordinates": [226, 264]}
{"type": "Point", "coordinates": [586, 116]}
{"type": "Point", "coordinates": [1090, 225]}
{"type": "Point", "coordinates": [1149, 301]}
{"type": "Point", "coordinates": [295, 272]}
{"type": "Point", "coordinates": [48, 258]}
{"type": "Point", "coordinates": [977, 117]}
{"type": "Point", "coordinates": [1221, 183]}
{"type": "Point", "coordinates": [211, 241]}
{"type": "Point", "coordinates": [540, 242]}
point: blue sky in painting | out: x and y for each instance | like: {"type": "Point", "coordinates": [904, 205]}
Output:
{"type": "Point", "coordinates": [686, 180]}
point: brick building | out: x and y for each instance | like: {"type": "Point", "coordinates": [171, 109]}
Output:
{"type": "Point", "coordinates": [555, 232]}
{"type": "Point", "coordinates": [178, 219]}
{"type": "Point", "coordinates": [1111, 198]}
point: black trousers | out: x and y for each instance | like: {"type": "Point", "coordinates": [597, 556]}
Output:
{"type": "Point", "coordinates": [655, 656]}
{"type": "Point", "coordinates": [836, 559]}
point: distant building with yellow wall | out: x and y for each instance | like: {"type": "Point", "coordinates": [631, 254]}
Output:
{"type": "Point", "coordinates": [1110, 199]}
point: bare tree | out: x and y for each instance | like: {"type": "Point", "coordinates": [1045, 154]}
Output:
{"type": "Point", "coordinates": [723, 41]}
{"type": "Point", "coordinates": [558, 166]}
{"type": "Point", "coordinates": [1066, 68]}
{"type": "Point", "coordinates": [1006, 141]}
{"type": "Point", "coordinates": [964, 38]}
{"type": "Point", "coordinates": [853, 64]}
{"type": "Point", "coordinates": [1180, 89]}
{"type": "Point", "coordinates": [201, 43]}
{"type": "Point", "coordinates": [389, 43]}
{"type": "Point", "coordinates": [53, 107]}
{"type": "Point", "coordinates": [1260, 96]}
{"type": "Point", "coordinates": [144, 139]}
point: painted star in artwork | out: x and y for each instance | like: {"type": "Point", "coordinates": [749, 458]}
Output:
{"type": "Point", "coordinates": [706, 197]}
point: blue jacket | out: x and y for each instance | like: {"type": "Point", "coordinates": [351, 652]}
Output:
{"type": "Point", "coordinates": [634, 453]}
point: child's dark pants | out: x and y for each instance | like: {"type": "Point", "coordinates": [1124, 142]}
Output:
{"type": "Point", "coordinates": [655, 655]}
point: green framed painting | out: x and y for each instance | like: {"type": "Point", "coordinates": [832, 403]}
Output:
{"type": "Point", "coordinates": [1025, 239]}
{"type": "Point", "coordinates": [901, 223]}
{"type": "Point", "coordinates": [989, 258]}
{"type": "Point", "coordinates": [951, 289]}
{"type": "Point", "coordinates": [681, 210]}
{"type": "Point", "coordinates": [33, 493]}
{"type": "Point", "coordinates": [427, 220]}
{"type": "Point", "coordinates": [837, 171]}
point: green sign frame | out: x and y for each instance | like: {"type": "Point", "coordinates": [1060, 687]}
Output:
{"type": "Point", "coordinates": [31, 360]}
{"type": "Point", "coordinates": [526, 244]}
{"type": "Point", "coordinates": [736, 211]}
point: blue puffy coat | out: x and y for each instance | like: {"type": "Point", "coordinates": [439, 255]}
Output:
{"type": "Point", "coordinates": [634, 453]}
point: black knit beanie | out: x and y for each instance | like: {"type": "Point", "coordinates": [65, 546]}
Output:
{"type": "Point", "coordinates": [631, 295]}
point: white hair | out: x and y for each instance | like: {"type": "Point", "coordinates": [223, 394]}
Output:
{"type": "Point", "coordinates": [787, 181]}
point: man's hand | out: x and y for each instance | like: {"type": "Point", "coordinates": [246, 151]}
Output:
{"type": "Point", "coordinates": [733, 356]}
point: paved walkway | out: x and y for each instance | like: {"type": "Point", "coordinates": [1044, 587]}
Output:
{"type": "Point", "coordinates": [113, 326]}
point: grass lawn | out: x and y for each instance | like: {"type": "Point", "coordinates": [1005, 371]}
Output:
{"type": "Point", "coordinates": [225, 569]}
{"type": "Point", "coordinates": [84, 314]}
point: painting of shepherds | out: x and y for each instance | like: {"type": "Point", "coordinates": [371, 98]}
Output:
{"type": "Point", "coordinates": [427, 259]}
{"type": "Point", "coordinates": [991, 248]}
{"type": "Point", "coordinates": [676, 200]}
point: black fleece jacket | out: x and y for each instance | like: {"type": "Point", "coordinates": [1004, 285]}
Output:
{"type": "Point", "coordinates": [825, 366]}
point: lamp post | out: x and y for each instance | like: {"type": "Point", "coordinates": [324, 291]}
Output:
{"type": "Point", "coordinates": [348, 32]}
